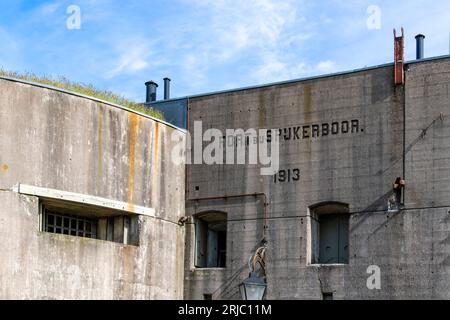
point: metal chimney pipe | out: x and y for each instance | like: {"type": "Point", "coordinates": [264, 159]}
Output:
{"type": "Point", "coordinates": [151, 91]}
{"type": "Point", "coordinates": [420, 46]}
{"type": "Point", "coordinates": [166, 88]}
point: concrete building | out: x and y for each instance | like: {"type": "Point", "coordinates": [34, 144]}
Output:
{"type": "Point", "coordinates": [333, 214]}
{"type": "Point", "coordinates": [89, 202]}
{"type": "Point", "coordinates": [363, 186]}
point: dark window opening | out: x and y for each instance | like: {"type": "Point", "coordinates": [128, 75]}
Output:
{"type": "Point", "coordinates": [333, 237]}
{"type": "Point", "coordinates": [211, 240]}
{"type": "Point", "coordinates": [207, 296]}
{"type": "Point", "coordinates": [330, 234]}
{"type": "Point", "coordinates": [81, 222]}
{"type": "Point", "coordinates": [327, 295]}
{"type": "Point", "coordinates": [70, 225]}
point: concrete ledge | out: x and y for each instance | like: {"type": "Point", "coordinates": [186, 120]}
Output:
{"type": "Point", "coordinates": [331, 265]}
{"type": "Point", "coordinates": [208, 269]}
{"type": "Point", "coordinates": [82, 199]}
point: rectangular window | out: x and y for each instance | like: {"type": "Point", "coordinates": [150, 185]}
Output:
{"type": "Point", "coordinates": [86, 222]}
{"type": "Point", "coordinates": [69, 225]}
{"type": "Point", "coordinates": [333, 239]}
{"type": "Point", "coordinates": [327, 295]}
{"type": "Point", "coordinates": [207, 296]}
{"type": "Point", "coordinates": [329, 234]}
{"type": "Point", "coordinates": [211, 242]}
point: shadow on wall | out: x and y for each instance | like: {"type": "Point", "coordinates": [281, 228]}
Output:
{"type": "Point", "coordinates": [446, 220]}
{"type": "Point", "coordinates": [421, 136]}
{"type": "Point", "coordinates": [378, 206]}
{"type": "Point", "coordinates": [230, 287]}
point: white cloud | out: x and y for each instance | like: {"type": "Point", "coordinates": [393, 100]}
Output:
{"type": "Point", "coordinates": [252, 23]}
{"type": "Point", "coordinates": [259, 30]}
{"type": "Point", "coordinates": [195, 69]}
{"type": "Point", "coordinates": [273, 69]}
{"type": "Point", "coordinates": [326, 66]}
{"type": "Point", "coordinates": [49, 8]}
{"type": "Point", "coordinates": [133, 58]}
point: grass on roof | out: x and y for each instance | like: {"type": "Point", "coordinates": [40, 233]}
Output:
{"type": "Point", "coordinates": [85, 89]}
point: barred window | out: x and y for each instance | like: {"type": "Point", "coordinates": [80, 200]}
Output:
{"type": "Point", "coordinates": [80, 220]}
{"type": "Point", "coordinates": [70, 225]}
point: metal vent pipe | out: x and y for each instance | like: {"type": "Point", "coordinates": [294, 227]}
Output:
{"type": "Point", "coordinates": [166, 88]}
{"type": "Point", "coordinates": [420, 46]}
{"type": "Point", "coordinates": [151, 91]}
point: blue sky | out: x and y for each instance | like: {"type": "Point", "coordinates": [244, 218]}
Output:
{"type": "Point", "coordinates": [210, 45]}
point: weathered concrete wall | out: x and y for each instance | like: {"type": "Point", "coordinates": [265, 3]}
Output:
{"type": "Point", "coordinates": [411, 247]}
{"type": "Point", "coordinates": [428, 133]}
{"type": "Point", "coordinates": [61, 141]}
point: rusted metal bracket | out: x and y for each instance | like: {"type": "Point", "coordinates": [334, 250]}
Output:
{"type": "Point", "coordinates": [399, 183]}
{"type": "Point", "coordinates": [399, 58]}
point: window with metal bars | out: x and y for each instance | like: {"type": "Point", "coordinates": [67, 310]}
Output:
{"type": "Point", "coordinates": [82, 222]}
{"type": "Point", "coordinates": [70, 225]}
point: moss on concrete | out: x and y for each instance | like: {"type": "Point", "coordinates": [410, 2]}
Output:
{"type": "Point", "coordinates": [85, 89]}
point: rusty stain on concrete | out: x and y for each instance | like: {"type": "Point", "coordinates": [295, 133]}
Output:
{"type": "Point", "coordinates": [66, 155]}
{"type": "Point", "coordinates": [180, 253]}
{"type": "Point", "coordinates": [133, 121]}
{"type": "Point", "coordinates": [155, 160]}
{"type": "Point", "coordinates": [262, 112]}
{"type": "Point", "coordinates": [100, 150]}
{"type": "Point", "coordinates": [307, 102]}
{"type": "Point", "coordinates": [307, 114]}
{"type": "Point", "coordinates": [128, 264]}
{"type": "Point", "coordinates": [156, 140]}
